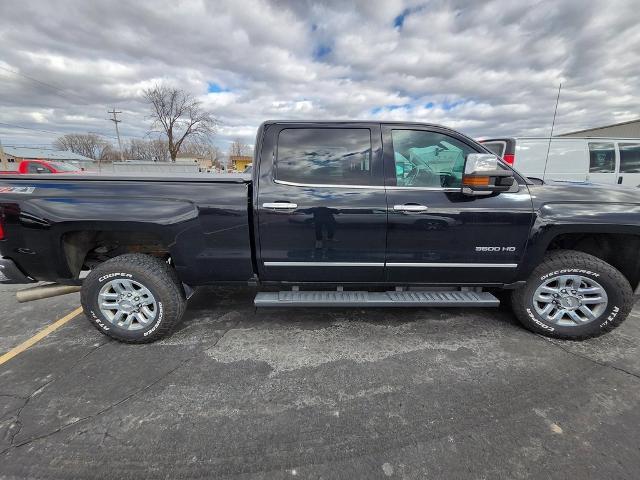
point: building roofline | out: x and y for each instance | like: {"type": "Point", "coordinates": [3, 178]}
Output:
{"type": "Point", "coordinates": [637, 120]}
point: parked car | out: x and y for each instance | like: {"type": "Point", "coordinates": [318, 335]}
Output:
{"type": "Point", "coordinates": [347, 214]}
{"type": "Point", "coordinates": [43, 166]}
{"type": "Point", "coordinates": [598, 160]}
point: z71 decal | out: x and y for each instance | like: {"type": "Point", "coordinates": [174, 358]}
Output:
{"type": "Point", "coordinates": [23, 190]}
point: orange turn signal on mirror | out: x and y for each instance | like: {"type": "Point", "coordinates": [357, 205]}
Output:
{"type": "Point", "coordinates": [476, 181]}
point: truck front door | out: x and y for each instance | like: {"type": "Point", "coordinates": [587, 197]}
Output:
{"type": "Point", "coordinates": [321, 204]}
{"type": "Point", "coordinates": [436, 234]}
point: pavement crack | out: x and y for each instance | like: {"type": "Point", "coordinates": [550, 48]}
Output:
{"type": "Point", "coordinates": [589, 359]}
{"type": "Point", "coordinates": [38, 390]}
{"type": "Point", "coordinates": [89, 417]}
{"type": "Point", "coordinates": [13, 445]}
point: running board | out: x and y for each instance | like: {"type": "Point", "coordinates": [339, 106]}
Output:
{"type": "Point", "coordinates": [375, 299]}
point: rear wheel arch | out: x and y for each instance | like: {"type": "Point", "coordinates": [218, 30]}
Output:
{"type": "Point", "coordinates": [86, 249]}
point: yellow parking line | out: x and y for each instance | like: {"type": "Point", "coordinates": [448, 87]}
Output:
{"type": "Point", "coordinates": [39, 336]}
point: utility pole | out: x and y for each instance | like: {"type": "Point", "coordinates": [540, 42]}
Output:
{"type": "Point", "coordinates": [3, 160]}
{"type": "Point", "coordinates": [116, 121]}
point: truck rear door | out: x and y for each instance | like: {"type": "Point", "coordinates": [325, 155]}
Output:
{"type": "Point", "coordinates": [321, 203]}
{"type": "Point", "coordinates": [436, 234]}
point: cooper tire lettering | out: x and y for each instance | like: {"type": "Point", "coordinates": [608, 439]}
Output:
{"type": "Point", "coordinates": [111, 275]}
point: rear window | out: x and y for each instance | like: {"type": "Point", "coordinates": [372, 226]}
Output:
{"type": "Point", "coordinates": [328, 156]}
{"type": "Point", "coordinates": [629, 157]}
{"type": "Point", "coordinates": [495, 147]}
{"type": "Point", "coordinates": [602, 158]}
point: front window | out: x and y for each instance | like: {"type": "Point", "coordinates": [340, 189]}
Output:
{"type": "Point", "coordinates": [326, 156]}
{"type": "Point", "coordinates": [602, 158]}
{"type": "Point", "coordinates": [428, 159]}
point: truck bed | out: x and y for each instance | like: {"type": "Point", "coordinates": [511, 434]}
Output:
{"type": "Point", "coordinates": [202, 222]}
{"type": "Point", "coordinates": [197, 177]}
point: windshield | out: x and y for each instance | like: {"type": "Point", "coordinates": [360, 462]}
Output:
{"type": "Point", "coordinates": [64, 167]}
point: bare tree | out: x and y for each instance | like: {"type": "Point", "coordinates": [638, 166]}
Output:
{"type": "Point", "coordinates": [148, 150]}
{"type": "Point", "coordinates": [178, 115]}
{"type": "Point", "coordinates": [238, 149]}
{"type": "Point", "coordinates": [201, 148]}
{"type": "Point", "coordinates": [87, 144]}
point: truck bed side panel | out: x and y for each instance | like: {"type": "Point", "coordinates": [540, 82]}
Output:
{"type": "Point", "coordinates": [205, 226]}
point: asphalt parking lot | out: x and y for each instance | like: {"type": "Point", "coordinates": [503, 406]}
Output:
{"type": "Point", "coordinates": [321, 394]}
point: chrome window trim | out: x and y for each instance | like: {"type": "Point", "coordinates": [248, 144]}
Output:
{"type": "Point", "coordinates": [370, 187]}
{"type": "Point", "coordinates": [435, 189]}
{"type": "Point", "coordinates": [329, 185]}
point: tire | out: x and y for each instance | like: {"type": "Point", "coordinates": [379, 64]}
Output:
{"type": "Point", "coordinates": [595, 275]}
{"type": "Point", "coordinates": [144, 279]}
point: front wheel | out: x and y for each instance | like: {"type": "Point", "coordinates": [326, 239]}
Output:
{"type": "Point", "coordinates": [573, 295]}
{"type": "Point", "coordinates": [133, 298]}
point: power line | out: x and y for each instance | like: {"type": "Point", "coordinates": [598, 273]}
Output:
{"type": "Point", "coordinates": [61, 91]}
{"type": "Point", "coordinates": [29, 128]}
{"type": "Point", "coordinates": [22, 127]}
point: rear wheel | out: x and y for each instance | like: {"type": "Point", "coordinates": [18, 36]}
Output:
{"type": "Point", "coordinates": [573, 295]}
{"type": "Point", "coordinates": [133, 298]}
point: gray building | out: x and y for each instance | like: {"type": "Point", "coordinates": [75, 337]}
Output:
{"type": "Point", "coordinates": [617, 130]}
{"type": "Point", "coordinates": [14, 155]}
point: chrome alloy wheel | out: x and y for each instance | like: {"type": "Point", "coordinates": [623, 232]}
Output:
{"type": "Point", "coordinates": [570, 300]}
{"type": "Point", "coordinates": [127, 304]}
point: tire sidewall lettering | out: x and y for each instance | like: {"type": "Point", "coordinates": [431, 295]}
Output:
{"type": "Point", "coordinates": [158, 321]}
{"type": "Point", "coordinates": [568, 270]}
{"type": "Point", "coordinates": [541, 324]}
{"type": "Point", "coordinates": [109, 276]}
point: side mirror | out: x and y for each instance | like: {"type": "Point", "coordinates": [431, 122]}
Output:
{"type": "Point", "coordinates": [483, 175]}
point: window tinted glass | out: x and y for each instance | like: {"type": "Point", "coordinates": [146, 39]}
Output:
{"type": "Point", "coordinates": [33, 167]}
{"type": "Point", "coordinates": [324, 156]}
{"type": "Point", "coordinates": [428, 159]}
{"type": "Point", "coordinates": [495, 147]}
{"type": "Point", "coordinates": [602, 158]}
{"type": "Point", "coordinates": [629, 157]}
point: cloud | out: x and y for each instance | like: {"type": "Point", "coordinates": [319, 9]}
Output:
{"type": "Point", "coordinates": [486, 68]}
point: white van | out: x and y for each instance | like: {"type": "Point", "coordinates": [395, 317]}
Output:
{"type": "Point", "coordinates": [597, 160]}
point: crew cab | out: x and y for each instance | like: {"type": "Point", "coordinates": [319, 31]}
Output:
{"type": "Point", "coordinates": [348, 214]}
{"type": "Point", "coordinates": [43, 166]}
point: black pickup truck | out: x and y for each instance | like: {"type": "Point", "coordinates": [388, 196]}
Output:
{"type": "Point", "coordinates": [335, 214]}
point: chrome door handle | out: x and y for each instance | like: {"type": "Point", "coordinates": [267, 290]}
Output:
{"type": "Point", "coordinates": [410, 207]}
{"type": "Point", "coordinates": [280, 205]}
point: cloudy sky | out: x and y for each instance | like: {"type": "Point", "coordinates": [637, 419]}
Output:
{"type": "Point", "coordinates": [485, 68]}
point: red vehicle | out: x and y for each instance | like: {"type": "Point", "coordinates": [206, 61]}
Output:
{"type": "Point", "coordinates": [44, 166]}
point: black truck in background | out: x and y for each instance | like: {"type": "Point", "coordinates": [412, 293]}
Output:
{"type": "Point", "coordinates": [335, 214]}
